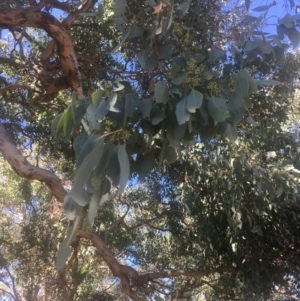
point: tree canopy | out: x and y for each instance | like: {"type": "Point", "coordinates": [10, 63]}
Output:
{"type": "Point", "coordinates": [154, 150]}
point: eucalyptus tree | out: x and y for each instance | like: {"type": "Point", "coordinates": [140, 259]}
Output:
{"type": "Point", "coordinates": [132, 85]}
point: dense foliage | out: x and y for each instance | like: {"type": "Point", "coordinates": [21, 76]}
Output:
{"type": "Point", "coordinates": [165, 141]}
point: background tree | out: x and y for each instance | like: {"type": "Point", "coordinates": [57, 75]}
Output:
{"type": "Point", "coordinates": [189, 100]}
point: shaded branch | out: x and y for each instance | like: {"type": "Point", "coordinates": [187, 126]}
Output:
{"type": "Point", "coordinates": [125, 273]}
{"type": "Point", "coordinates": [26, 170]}
{"type": "Point", "coordinates": [17, 86]}
{"type": "Point", "coordinates": [68, 59]}
{"type": "Point", "coordinates": [84, 7]}
{"type": "Point", "coordinates": [114, 224]}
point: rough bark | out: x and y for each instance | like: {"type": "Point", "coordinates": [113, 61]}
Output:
{"type": "Point", "coordinates": [26, 170]}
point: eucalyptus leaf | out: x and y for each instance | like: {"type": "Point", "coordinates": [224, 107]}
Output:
{"type": "Point", "coordinates": [157, 120]}
{"type": "Point", "coordinates": [247, 4]}
{"type": "Point", "coordinates": [151, 61]}
{"type": "Point", "coordinates": [182, 9]}
{"type": "Point", "coordinates": [110, 103]}
{"type": "Point", "coordinates": [268, 82]}
{"type": "Point", "coordinates": [85, 169]}
{"type": "Point", "coordinates": [194, 101]}
{"type": "Point", "coordinates": [146, 166]}
{"type": "Point", "coordinates": [142, 58]}
{"type": "Point", "coordinates": [217, 109]}
{"type": "Point", "coordinates": [120, 7]}
{"type": "Point", "coordinates": [231, 132]}
{"type": "Point", "coordinates": [250, 45]}
{"type": "Point", "coordinates": [180, 77]}
{"type": "Point", "coordinates": [215, 54]}
{"type": "Point", "coordinates": [263, 7]}
{"type": "Point", "coordinates": [69, 207]}
{"type": "Point", "coordinates": [182, 114]}
{"type": "Point", "coordinates": [294, 36]}
{"type": "Point", "coordinates": [93, 207]}
{"type": "Point", "coordinates": [122, 41]}
{"type": "Point", "coordinates": [124, 167]}
{"type": "Point", "coordinates": [146, 107]}
{"type": "Point", "coordinates": [161, 92]}
{"type": "Point", "coordinates": [97, 96]}
{"type": "Point", "coordinates": [170, 154]}
{"type": "Point", "coordinates": [62, 256]}
{"type": "Point", "coordinates": [56, 125]}
{"type": "Point", "coordinates": [100, 112]}
{"type": "Point", "coordinates": [100, 10]}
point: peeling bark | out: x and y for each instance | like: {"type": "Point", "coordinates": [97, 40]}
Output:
{"type": "Point", "coordinates": [26, 170]}
{"type": "Point", "coordinates": [36, 19]}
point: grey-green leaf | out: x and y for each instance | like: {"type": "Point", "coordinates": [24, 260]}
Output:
{"type": "Point", "coordinates": [93, 207]}
{"type": "Point", "coordinates": [264, 7]}
{"type": "Point", "coordinates": [84, 171]}
{"type": "Point", "coordinates": [124, 167]}
{"type": "Point", "coordinates": [247, 3]}
{"type": "Point", "coordinates": [97, 96]}
{"type": "Point", "coordinates": [268, 82]}
{"type": "Point", "coordinates": [294, 36]}
{"type": "Point", "coordinates": [146, 166]}
{"type": "Point", "coordinates": [146, 107]}
{"type": "Point", "coordinates": [215, 54]}
{"type": "Point", "coordinates": [120, 7]}
{"type": "Point", "coordinates": [231, 132]}
{"type": "Point", "coordinates": [182, 9]}
{"type": "Point", "coordinates": [194, 101]}
{"type": "Point", "coordinates": [121, 43]}
{"type": "Point", "coordinates": [170, 154]}
{"type": "Point", "coordinates": [62, 256]}
{"type": "Point", "coordinates": [251, 121]}
{"type": "Point", "coordinates": [180, 77]}
{"type": "Point", "coordinates": [217, 109]}
{"type": "Point", "coordinates": [110, 103]}
{"type": "Point", "coordinates": [100, 10]}
{"type": "Point", "coordinates": [69, 207]}
{"type": "Point", "coordinates": [161, 92]}
{"type": "Point", "coordinates": [182, 114]}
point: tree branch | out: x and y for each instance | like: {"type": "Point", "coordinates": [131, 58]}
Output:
{"type": "Point", "coordinates": [124, 272]}
{"type": "Point", "coordinates": [26, 170]}
{"type": "Point", "coordinates": [127, 273]}
{"type": "Point", "coordinates": [20, 17]}
{"type": "Point", "coordinates": [17, 86]}
{"type": "Point", "coordinates": [84, 7]}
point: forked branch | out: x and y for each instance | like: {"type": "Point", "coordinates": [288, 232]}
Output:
{"type": "Point", "coordinates": [26, 170]}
